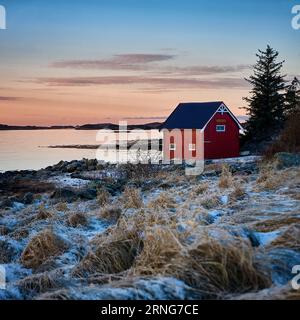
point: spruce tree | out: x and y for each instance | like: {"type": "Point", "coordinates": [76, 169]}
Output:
{"type": "Point", "coordinates": [292, 97]}
{"type": "Point", "coordinates": [266, 103]}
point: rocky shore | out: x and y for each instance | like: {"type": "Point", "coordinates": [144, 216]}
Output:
{"type": "Point", "coordinates": [91, 230]}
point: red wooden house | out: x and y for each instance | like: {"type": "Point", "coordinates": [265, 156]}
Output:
{"type": "Point", "coordinates": [201, 130]}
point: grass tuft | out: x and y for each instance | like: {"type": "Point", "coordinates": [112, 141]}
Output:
{"type": "Point", "coordinates": [41, 247]}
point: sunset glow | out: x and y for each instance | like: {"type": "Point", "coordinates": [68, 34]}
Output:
{"type": "Point", "coordinates": [102, 61]}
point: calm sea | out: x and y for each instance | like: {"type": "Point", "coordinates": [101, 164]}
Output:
{"type": "Point", "coordinates": [26, 150]}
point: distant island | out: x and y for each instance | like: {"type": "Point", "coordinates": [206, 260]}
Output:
{"type": "Point", "coordinates": [108, 126]}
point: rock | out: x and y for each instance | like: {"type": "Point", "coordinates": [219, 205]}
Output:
{"type": "Point", "coordinates": [88, 194]}
{"type": "Point", "coordinates": [224, 199]}
{"type": "Point", "coordinates": [18, 206]}
{"type": "Point", "coordinates": [252, 237]}
{"type": "Point", "coordinates": [72, 167]}
{"type": "Point", "coordinates": [214, 215]}
{"type": "Point", "coordinates": [65, 194]}
{"type": "Point", "coordinates": [28, 198]}
{"type": "Point", "coordinates": [182, 227]}
{"type": "Point", "coordinates": [7, 252]}
{"type": "Point", "coordinates": [6, 204]}
{"type": "Point", "coordinates": [287, 160]}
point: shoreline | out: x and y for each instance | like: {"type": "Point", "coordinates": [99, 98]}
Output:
{"type": "Point", "coordinates": [65, 222]}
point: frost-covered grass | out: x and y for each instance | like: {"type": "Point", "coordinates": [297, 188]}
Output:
{"type": "Point", "coordinates": [161, 235]}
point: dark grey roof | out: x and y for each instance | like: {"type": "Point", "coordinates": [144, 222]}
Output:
{"type": "Point", "coordinates": [193, 115]}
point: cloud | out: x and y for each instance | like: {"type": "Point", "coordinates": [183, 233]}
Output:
{"type": "Point", "coordinates": [136, 62]}
{"type": "Point", "coordinates": [145, 118]}
{"type": "Point", "coordinates": [156, 82]}
{"type": "Point", "coordinates": [204, 70]}
{"type": "Point", "coordinates": [118, 62]}
{"type": "Point", "coordinates": [3, 98]}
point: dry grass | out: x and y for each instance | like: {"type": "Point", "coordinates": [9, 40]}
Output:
{"type": "Point", "coordinates": [103, 197]}
{"type": "Point", "coordinates": [289, 239]}
{"type": "Point", "coordinates": [212, 267]}
{"type": "Point", "coordinates": [41, 247]}
{"type": "Point", "coordinates": [270, 177]}
{"type": "Point", "coordinates": [62, 294]}
{"type": "Point", "coordinates": [160, 247]}
{"type": "Point", "coordinates": [39, 283]}
{"type": "Point", "coordinates": [110, 214]}
{"type": "Point", "coordinates": [132, 198]}
{"type": "Point", "coordinates": [201, 188]}
{"type": "Point", "coordinates": [162, 201]}
{"type": "Point", "coordinates": [62, 206]}
{"type": "Point", "coordinates": [275, 223]}
{"type": "Point", "coordinates": [238, 192]}
{"type": "Point", "coordinates": [77, 219]}
{"type": "Point", "coordinates": [210, 201]}
{"type": "Point", "coordinates": [217, 268]}
{"type": "Point", "coordinates": [226, 179]}
{"type": "Point", "coordinates": [20, 233]}
{"type": "Point", "coordinates": [108, 258]}
{"type": "Point", "coordinates": [44, 214]}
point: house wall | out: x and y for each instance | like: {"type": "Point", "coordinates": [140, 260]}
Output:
{"type": "Point", "coordinates": [182, 139]}
{"type": "Point", "coordinates": [209, 144]}
{"type": "Point", "coordinates": [221, 144]}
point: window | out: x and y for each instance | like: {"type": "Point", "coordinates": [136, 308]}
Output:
{"type": "Point", "coordinates": [192, 147]}
{"type": "Point", "coordinates": [221, 128]}
{"type": "Point", "coordinates": [172, 146]}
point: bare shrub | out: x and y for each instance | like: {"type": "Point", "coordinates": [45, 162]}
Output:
{"type": "Point", "coordinates": [289, 140]}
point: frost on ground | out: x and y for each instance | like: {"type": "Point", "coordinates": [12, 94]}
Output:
{"type": "Point", "coordinates": [88, 230]}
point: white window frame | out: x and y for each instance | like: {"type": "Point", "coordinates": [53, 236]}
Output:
{"type": "Point", "coordinates": [172, 146]}
{"type": "Point", "coordinates": [192, 147]}
{"type": "Point", "coordinates": [218, 128]}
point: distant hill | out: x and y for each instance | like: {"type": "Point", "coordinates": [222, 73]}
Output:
{"type": "Point", "coordinates": [110, 126]}
{"type": "Point", "coordinates": [7, 127]}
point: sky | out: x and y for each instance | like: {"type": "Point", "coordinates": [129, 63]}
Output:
{"type": "Point", "coordinates": [90, 61]}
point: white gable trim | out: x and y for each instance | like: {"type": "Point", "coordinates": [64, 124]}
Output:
{"type": "Point", "coordinates": [223, 109]}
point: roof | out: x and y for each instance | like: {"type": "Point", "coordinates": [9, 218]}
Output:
{"type": "Point", "coordinates": [193, 115]}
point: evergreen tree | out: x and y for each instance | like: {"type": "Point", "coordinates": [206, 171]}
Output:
{"type": "Point", "coordinates": [266, 103]}
{"type": "Point", "coordinates": [292, 98]}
